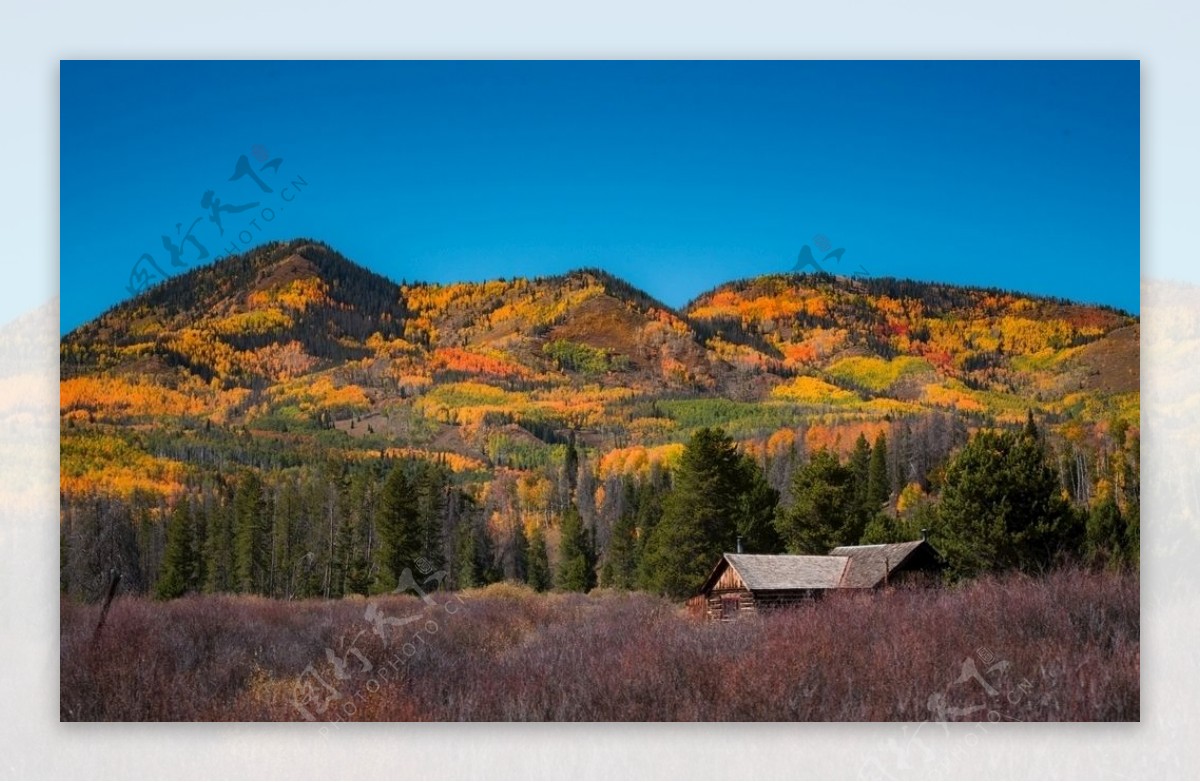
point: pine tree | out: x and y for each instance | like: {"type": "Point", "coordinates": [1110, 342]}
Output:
{"type": "Point", "coordinates": [468, 574]}
{"type": "Point", "coordinates": [1002, 507]}
{"type": "Point", "coordinates": [756, 514]}
{"type": "Point", "coordinates": [860, 479]}
{"type": "Point", "coordinates": [650, 496]}
{"type": "Point", "coordinates": [620, 563]}
{"type": "Point", "coordinates": [700, 515]}
{"type": "Point", "coordinates": [250, 535]}
{"type": "Point", "coordinates": [286, 507]}
{"type": "Point", "coordinates": [575, 572]}
{"type": "Point", "coordinates": [218, 547]}
{"type": "Point", "coordinates": [360, 505]}
{"type": "Point", "coordinates": [520, 549]}
{"type": "Point", "coordinates": [399, 528]}
{"type": "Point", "coordinates": [343, 557]}
{"type": "Point", "coordinates": [879, 489]}
{"type": "Point", "coordinates": [539, 561]}
{"type": "Point", "coordinates": [1106, 534]}
{"type": "Point", "coordinates": [1031, 430]}
{"type": "Point", "coordinates": [180, 560]}
{"type": "Point", "coordinates": [431, 485]}
{"type": "Point", "coordinates": [823, 510]}
{"type": "Point", "coordinates": [880, 529]}
{"type": "Point", "coordinates": [571, 463]}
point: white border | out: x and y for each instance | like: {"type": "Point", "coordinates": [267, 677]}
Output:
{"type": "Point", "coordinates": [36, 35]}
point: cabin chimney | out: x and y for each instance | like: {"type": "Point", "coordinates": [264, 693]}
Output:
{"type": "Point", "coordinates": [739, 544]}
{"type": "Point", "coordinates": [924, 533]}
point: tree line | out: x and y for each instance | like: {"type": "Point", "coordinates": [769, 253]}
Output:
{"type": "Point", "coordinates": [998, 502]}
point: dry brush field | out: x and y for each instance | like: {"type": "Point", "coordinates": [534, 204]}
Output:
{"type": "Point", "coordinates": [1063, 647]}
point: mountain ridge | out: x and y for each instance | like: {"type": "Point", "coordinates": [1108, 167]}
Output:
{"type": "Point", "coordinates": [293, 338]}
{"type": "Point", "coordinates": [381, 301]}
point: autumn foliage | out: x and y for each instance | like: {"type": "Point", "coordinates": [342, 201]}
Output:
{"type": "Point", "coordinates": [316, 376]}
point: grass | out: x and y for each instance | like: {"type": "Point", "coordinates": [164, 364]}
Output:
{"type": "Point", "coordinates": [1065, 647]}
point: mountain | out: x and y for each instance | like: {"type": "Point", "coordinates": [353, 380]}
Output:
{"type": "Point", "coordinates": [294, 335]}
{"type": "Point", "coordinates": [535, 395]}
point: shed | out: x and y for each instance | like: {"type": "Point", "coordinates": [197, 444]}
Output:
{"type": "Point", "coordinates": [752, 582]}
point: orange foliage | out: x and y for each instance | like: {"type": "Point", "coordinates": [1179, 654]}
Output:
{"type": "Point", "coordinates": [94, 462]}
{"type": "Point", "coordinates": [946, 396]}
{"type": "Point", "coordinates": [839, 438]}
{"type": "Point", "coordinates": [460, 360]}
{"type": "Point", "coordinates": [781, 442]}
{"type": "Point", "coordinates": [112, 398]}
{"type": "Point", "coordinates": [800, 353]}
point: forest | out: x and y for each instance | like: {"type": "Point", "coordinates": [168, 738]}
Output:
{"type": "Point", "coordinates": [290, 424]}
{"type": "Point", "coordinates": [339, 528]}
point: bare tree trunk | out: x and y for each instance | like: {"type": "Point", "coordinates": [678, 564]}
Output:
{"type": "Point", "coordinates": [112, 592]}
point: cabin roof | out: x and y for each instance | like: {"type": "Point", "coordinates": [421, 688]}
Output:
{"type": "Point", "coordinates": [846, 567]}
{"type": "Point", "coordinates": [869, 564]}
{"type": "Point", "coordinates": [783, 571]}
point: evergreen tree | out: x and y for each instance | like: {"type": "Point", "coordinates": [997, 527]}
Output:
{"type": "Point", "coordinates": [520, 549]}
{"type": "Point", "coordinates": [1131, 494]}
{"type": "Point", "coordinates": [64, 573]}
{"type": "Point", "coordinates": [620, 562]}
{"type": "Point", "coordinates": [650, 496]}
{"type": "Point", "coordinates": [180, 560]}
{"type": "Point", "coordinates": [1031, 430]}
{"type": "Point", "coordinates": [700, 515]}
{"type": "Point", "coordinates": [360, 515]}
{"type": "Point", "coordinates": [860, 479]}
{"type": "Point", "coordinates": [432, 484]}
{"type": "Point", "coordinates": [756, 514]}
{"type": "Point", "coordinates": [1002, 507]}
{"type": "Point", "coordinates": [823, 513]}
{"type": "Point", "coordinates": [218, 547]}
{"type": "Point", "coordinates": [880, 529]}
{"type": "Point", "coordinates": [539, 561]}
{"type": "Point", "coordinates": [469, 573]}
{"type": "Point", "coordinates": [475, 555]}
{"type": "Point", "coordinates": [399, 527]}
{"type": "Point", "coordinates": [575, 570]}
{"type": "Point", "coordinates": [1106, 534]}
{"type": "Point", "coordinates": [343, 557]}
{"type": "Point", "coordinates": [901, 528]}
{"type": "Point", "coordinates": [286, 508]}
{"type": "Point", "coordinates": [250, 535]}
{"type": "Point", "coordinates": [571, 463]}
{"type": "Point", "coordinates": [1133, 535]}
{"type": "Point", "coordinates": [879, 489]}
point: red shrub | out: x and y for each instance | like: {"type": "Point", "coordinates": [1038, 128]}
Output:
{"type": "Point", "coordinates": [1064, 647]}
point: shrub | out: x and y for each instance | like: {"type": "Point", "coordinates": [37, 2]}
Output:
{"type": "Point", "coordinates": [1063, 647]}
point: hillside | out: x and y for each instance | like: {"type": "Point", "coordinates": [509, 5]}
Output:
{"type": "Point", "coordinates": [294, 311]}
{"type": "Point", "coordinates": [292, 355]}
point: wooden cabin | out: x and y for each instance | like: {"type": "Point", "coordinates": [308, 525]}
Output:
{"type": "Point", "coordinates": [744, 583]}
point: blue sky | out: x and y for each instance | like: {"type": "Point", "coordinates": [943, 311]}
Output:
{"type": "Point", "coordinates": [676, 176]}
